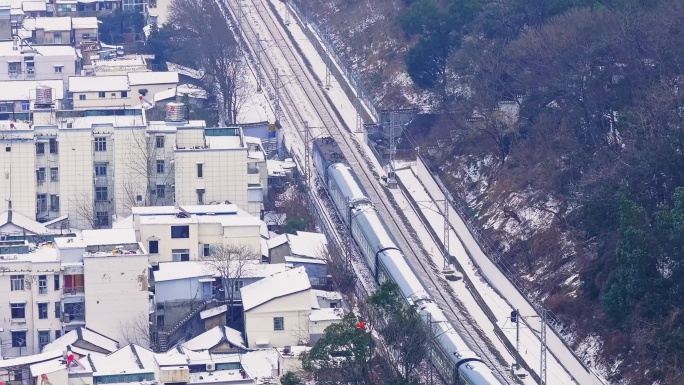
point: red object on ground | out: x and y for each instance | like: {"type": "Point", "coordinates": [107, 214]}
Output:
{"type": "Point", "coordinates": [361, 325]}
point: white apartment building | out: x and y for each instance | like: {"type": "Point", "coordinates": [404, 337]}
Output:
{"type": "Point", "coordinates": [92, 167]}
{"type": "Point", "coordinates": [99, 278]}
{"type": "Point", "coordinates": [19, 61]}
{"type": "Point", "coordinates": [18, 97]}
{"type": "Point", "coordinates": [119, 91]}
{"type": "Point", "coordinates": [189, 232]}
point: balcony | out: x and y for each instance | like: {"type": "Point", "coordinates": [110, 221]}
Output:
{"type": "Point", "coordinates": [73, 290]}
{"type": "Point", "coordinates": [69, 318]}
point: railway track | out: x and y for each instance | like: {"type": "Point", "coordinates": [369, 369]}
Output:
{"type": "Point", "coordinates": [299, 114]}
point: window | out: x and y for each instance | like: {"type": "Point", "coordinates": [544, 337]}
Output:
{"type": "Point", "coordinates": [30, 69]}
{"type": "Point", "coordinates": [101, 94]}
{"type": "Point", "coordinates": [161, 191]}
{"type": "Point", "coordinates": [200, 196]}
{"type": "Point", "coordinates": [200, 170]}
{"type": "Point", "coordinates": [100, 194]}
{"type": "Point", "coordinates": [40, 148]}
{"type": "Point", "coordinates": [237, 285]}
{"type": "Point", "coordinates": [82, 97]}
{"type": "Point", "coordinates": [56, 282]}
{"type": "Point", "coordinates": [8, 149]}
{"type": "Point", "coordinates": [102, 218]}
{"type": "Point", "coordinates": [180, 231]}
{"type": "Point", "coordinates": [124, 94]}
{"type": "Point", "coordinates": [42, 310]}
{"type": "Point", "coordinates": [54, 173]}
{"type": "Point", "coordinates": [59, 70]}
{"type": "Point", "coordinates": [153, 247]}
{"type": "Point", "coordinates": [100, 144]}
{"type": "Point", "coordinates": [58, 333]}
{"type": "Point", "coordinates": [40, 174]}
{"type": "Point", "coordinates": [25, 106]}
{"type": "Point", "coordinates": [42, 284]}
{"type": "Point", "coordinates": [58, 309]}
{"type": "Point", "coordinates": [160, 166]}
{"type": "Point", "coordinates": [206, 250]}
{"type": "Point", "coordinates": [54, 149]}
{"type": "Point", "coordinates": [17, 282]}
{"type": "Point", "coordinates": [100, 169]}
{"type": "Point", "coordinates": [57, 37]}
{"type": "Point", "coordinates": [333, 305]}
{"type": "Point", "coordinates": [54, 203]}
{"type": "Point", "coordinates": [278, 323]}
{"type": "Point", "coordinates": [18, 310]}
{"type": "Point", "coordinates": [14, 69]}
{"type": "Point", "coordinates": [19, 339]}
{"type": "Point", "coordinates": [41, 201]}
{"type": "Point", "coordinates": [159, 141]}
{"type": "Point", "coordinates": [180, 255]}
{"type": "Point", "coordinates": [43, 338]}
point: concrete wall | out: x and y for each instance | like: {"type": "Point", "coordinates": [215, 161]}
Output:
{"type": "Point", "coordinates": [117, 296]}
{"type": "Point", "coordinates": [18, 175]}
{"type": "Point", "coordinates": [294, 309]}
{"type": "Point", "coordinates": [76, 175]}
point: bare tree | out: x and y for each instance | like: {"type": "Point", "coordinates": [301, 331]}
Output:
{"type": "Point", "coordinates": [145, 174]}
{"type": "Point", "coordinates": [83, 205]}
{"type": "Point", "coordinates": [137, 331]}
{"type": "Point", "coordinates": [203, 24]}
{"type": "Point", "coordinates": [231, 262]}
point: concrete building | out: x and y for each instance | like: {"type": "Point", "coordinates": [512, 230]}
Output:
{"type": "Point", "coordinates": [37, 62]}
{"type": "Point", "coordinates": [118, 91]}
{"type": "Point", "coordinates": [127, 162]}
{"type": "Point", "coordinates": [277, 309]}
{"type": "Point", "coordinates": [304, 249]}
{"type": "Point", "coordinates": [59, 30]}
{"type": "Point", "coordinates": [100, 277]}
{"type": "Point", "coordinates": [190, 232]}
{"type": "Point", "coordinates": [18, 97]}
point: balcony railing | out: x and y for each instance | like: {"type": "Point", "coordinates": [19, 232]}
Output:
{"type": "Point", "coordinates": [73, 317]}
{"type": "Point", "coordinates": [73, 290]}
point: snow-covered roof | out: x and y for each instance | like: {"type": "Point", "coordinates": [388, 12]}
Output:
{"type": "Point", "coordinates": [82, 334]}
{"type": "Point", "coordinates": [328, 295]}
{"type": "Point", "coordinates": [277, 241]}
{"type": "Point", "coordinates": [192, 91]}
{"type": "Point", "coordinates": [84, 22]}
{"type": "Point", "coordinates": [313, 261]}
{"type": "Point", "coordinates": [161, 77]}
{"type": "Point", "coordinates": [129, 360]}
{"type": "Point", "coordinates": [123, 223]}
{"type": "Point", "coordinates": [192, 209]}
{"type": "Point", "coordinates": [213, 312]}
{"type": "Point", "coordinates": [169, 271]}
{"type": "Point", "coordinates": [326, 314]}
{"type": "Point", "coordinates": [186, 71]}
{"type": "Point", "coordinates": [307, 244]}
{"type": "Point", "coordinates": [108, 237]}
{"type": "Point", "coordinates": [276, 286]}
{"type": "Point", "coordinates": [213, 337]}
{"type": "Point", "coordinates": [23, 222]}
{"type": "Point", "coordinates": [52, 23]}
{"type": "Point", "coordinates": [33, 6]}
{"type": "Point", "coordinates": [98, 83]}
{"type": "Point", "coordinates": [27, 360]}
{"type": "Point", "coordinates": [11, 90]}
{"type": "Point", "coordinates": [47, 367]}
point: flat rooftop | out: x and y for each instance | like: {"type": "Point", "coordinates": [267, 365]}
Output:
{"type": "Point", "coordinates": [7, 50]}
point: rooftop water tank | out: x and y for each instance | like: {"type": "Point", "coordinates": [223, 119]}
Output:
{"type": "Point", "coordinates": [175, 112]}
{"type": "Point", "coordinates": [43, 95]}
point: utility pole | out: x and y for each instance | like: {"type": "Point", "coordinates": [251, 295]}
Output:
{"type": "Point", "coordinates": [391, 180]}
{"type": "Point", "coordinates": [307, 165]}
{"type": "Point", "coordinates": [348, 239]}
{"type": "Point", "coordinates": [447, 229]}
{"type": "Point", "coordinates": [277, 95]}
{"type": "Point", "coordinates": [287, 14]}
{"type": "Point", "coordinates": [326, 43]}
{"type": "Point", "coordinates": [542, 359]}
{"type": "Point", "coordinates": [431, 358]}
{"type": "Point", "coordinates": [359, 119]}
{"type": "Point", "coordinates": [258, 59]}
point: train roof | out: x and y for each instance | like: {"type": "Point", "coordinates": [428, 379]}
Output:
{"type": "Point", "coordinates": [346, 182]}
{"type": "Point", "coordinates": [373, 228]}
{"type": "Point", "coordinates": [477, 373]}
{"type": "Point", "coordinates": [398, 268]}
{"type": "Point", "coordinates": [328, 149]}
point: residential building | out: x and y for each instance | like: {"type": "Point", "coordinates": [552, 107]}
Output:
{"type": "Point", "coordinates": [37, 62]}
{"type": "Point", "coordinates": [18, 97]}
{"type": "Point", "coordinates": [59, 30]}
{"type": "Point", "coordinates": [83, 340]}
{"type": "Point", "coordinates": [190, 232]}
{"type": "Point", "coordinates": [304, 249]}
{"type": "Point", "coordinates": [100, 277]}
{"type": "Point", "coordinates": [217, 340]}
{"type": "Point", "coordinates": [86, 7]}
{"type": "Point", "coordinates": [118, 66]}
{"type": "Point", "coordinates": [118, 91]}
{"type": "Point", "coordinates": [277, 310]}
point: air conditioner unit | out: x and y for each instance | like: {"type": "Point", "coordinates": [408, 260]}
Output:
{"type": "Point", "coordinates": [211, 367]}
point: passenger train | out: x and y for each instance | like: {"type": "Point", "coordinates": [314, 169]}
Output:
{"type": "Point", "coordinates": [455, 359]}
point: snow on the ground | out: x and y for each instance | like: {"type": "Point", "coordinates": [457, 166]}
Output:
{"type": "Point", "coordinates": [489, 281]}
